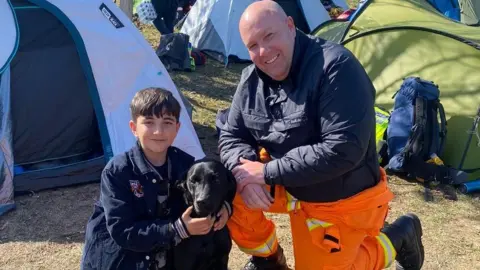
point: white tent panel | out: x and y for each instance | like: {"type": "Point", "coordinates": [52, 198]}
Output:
{"type": "Point", "coordinates": [314, 12]}
{"type": "Point", "coordinates": [123, 63]}
{"type": "Point", "coordinates": [231, 37]}
{"type": "Point", "coordinates": [8, 37]}
{"type": "Point", "coordinates": [6, 156]}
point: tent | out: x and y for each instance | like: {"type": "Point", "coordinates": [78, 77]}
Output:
{"type": "Point", "coordinates": [449, 8]}
{"type": "Point", "coordinates": [466, 11]}
{"type": "Point", "coordinates": [213, 24]}
{"type": "Point", "coordinates": [470, 12]}
{"type": "Point", "coordinates": [396, 39]}
{"type": "Point", "coordinates": [68, 70]}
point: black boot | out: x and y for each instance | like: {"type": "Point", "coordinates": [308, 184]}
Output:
{"type": "Point", "coordinates": [405, 233]}
{"type": "Point", "coordinates": [276, 261]}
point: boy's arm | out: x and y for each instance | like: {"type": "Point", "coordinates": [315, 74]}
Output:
{"type": "Point", "coordinates": [122, 222]}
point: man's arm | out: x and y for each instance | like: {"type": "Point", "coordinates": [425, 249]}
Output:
{"type": "Point", "coordinates": [122, 224]}
{"type": "Point", "coordinates": [346, 119]}
{"type": "Point", "coordinates": [235, 140]}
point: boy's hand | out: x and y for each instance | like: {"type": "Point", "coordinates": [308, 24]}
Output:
{"type": "Point", "coordinates": [197, 226]}
{"type": "Point", "coordinates": [222, 219]}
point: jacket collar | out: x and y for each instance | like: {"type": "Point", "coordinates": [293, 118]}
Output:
{"type": "Point", "coordinates": [140, 160]}
{"type": "Point", "coordinates": [299, 48]}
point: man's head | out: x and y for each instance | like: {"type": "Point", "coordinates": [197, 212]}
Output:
{"type": "Point", "coordinates": [155, 119]}
{"type": "Point", "coordinates": [269, 35]}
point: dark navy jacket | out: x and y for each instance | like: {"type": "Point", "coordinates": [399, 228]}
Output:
{"type": "Point", "coordinates": [124, 231]}
{"type": "Point", "coordinates": [318, 124]}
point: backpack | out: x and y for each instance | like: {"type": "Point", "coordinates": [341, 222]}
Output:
{"type": "Point", "coordinates": [174, 52]}
{"type": "Point", "coordinates": [416, 134]}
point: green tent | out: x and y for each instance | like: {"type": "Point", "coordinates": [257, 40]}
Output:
{"type": "Point", "coordinates": [397, 39]}
{"type": "Point", "coordinates": [470, 11]}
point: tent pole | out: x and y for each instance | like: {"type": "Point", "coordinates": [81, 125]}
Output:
{"type": "Point", "coordinates": [470, 135]}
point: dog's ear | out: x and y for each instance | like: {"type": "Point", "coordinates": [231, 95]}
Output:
{"type": "Point", "coordinates": [182, 186]}
{"type": "Point", "coordinates": [182, 182]}
{"type": "Point", "coordinates": [232, 187]}
{"type": "Point", "coordinates": [232, 183]}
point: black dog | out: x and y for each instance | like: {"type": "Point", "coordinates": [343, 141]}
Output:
{"type": "Point", "coordinates": [208, 185]}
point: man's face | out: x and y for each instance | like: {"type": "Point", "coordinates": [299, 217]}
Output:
{"type": "Point", "coordinates": [155, 134]}
{"type": "Point", "coordinates": [270, 41]}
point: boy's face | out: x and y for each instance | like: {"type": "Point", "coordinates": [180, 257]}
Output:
{"type": "Point", "coordinates": [155, 134]}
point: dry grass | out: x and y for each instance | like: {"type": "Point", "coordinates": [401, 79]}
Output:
{"type": "Point", "coordinates": [46, 230]}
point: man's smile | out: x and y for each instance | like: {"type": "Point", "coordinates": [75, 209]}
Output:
{"type": "Point", "coordinates": [272, 60]}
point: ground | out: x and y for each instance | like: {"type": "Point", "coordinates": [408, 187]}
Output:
{"type": "Point", "coordinates": [46, 230]}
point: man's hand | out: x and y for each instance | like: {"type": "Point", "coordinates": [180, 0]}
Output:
{"type": "Point", "coordinates": [249, 172]}
{"type": "Point", "coordinates": [256, 196]}
{"type": "Point", "coordinates": [197, 226]}
{"type": "Point", "coordinates": [222, 219]}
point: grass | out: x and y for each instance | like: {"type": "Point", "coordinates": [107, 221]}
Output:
{"type": "Point", "coordinates": [46, 230]}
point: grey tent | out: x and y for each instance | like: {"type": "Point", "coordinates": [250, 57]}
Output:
{"type": "Point", "coordinates": [212, 25]}
{"type": "Point", "coordinates": [470, 12]}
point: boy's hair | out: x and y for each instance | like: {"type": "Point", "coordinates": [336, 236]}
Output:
{"type": "Point", "coordinates": [154, 101]}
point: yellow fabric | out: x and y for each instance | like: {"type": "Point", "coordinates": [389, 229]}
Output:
{"type": "Point", "coordinates": [389, 250]}
{"type": "Point", "coordinates": [263, 250]}
{"type": "Point", "coordinates": [381, 117]}
{"type": "Point", "coordinates": [381, 120]}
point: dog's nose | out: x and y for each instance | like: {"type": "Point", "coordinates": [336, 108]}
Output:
{"type": "Point", "coordinates": [204, 205]}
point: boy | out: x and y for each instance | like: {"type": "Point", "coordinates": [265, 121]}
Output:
{"type": "Point", "coordinates": [138, 217]}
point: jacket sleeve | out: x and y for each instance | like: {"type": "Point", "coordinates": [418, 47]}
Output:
{"type": "Point", "coordinates": [122, 221]}
{"type": "Point", "coordinates": [235, 140]}
{"type": "Point", "coordinates": [346, 120]}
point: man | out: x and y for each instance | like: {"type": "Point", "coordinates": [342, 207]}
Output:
{"type": "Point", "coordinates": [310, 105]}
{"type": "Point", "coordinates": [169, 12]}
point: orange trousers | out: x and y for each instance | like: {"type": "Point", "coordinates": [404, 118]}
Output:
{"type": "Point", "coordinates": [339, 235]}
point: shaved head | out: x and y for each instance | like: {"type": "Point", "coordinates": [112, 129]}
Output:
{"type": "Point", "coordinates": [269, 35]}
{"type": "Point", "coordinates": [260, 8]}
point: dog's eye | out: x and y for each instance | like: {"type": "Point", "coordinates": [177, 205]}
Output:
{"type": "Point", "coordinates": [215, 178]}
{"type": "Point", "coordinates": [195, 179]}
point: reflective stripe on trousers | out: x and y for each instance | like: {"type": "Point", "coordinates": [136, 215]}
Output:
{"type": "Point", "coordinates": [266, 248]}
{"type": "Point", "coordinates": [388, 248]}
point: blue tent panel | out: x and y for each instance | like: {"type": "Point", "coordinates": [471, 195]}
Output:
{"type": "Point", "coordinates": [449, 8]}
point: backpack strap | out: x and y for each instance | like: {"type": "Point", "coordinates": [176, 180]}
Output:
{"type": "Point", "coordinates": [430, 140]}
{"type": "Point", "coordinates": [443, 128]}
{"type": "Point", "coordinates": [418, 147]}
{"type": "Point", "coordinates": [435, 173]}
{"type": "Point", "coordinates": [412, 146]}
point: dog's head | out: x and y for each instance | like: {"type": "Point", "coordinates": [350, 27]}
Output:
{"type": "Point", "coordinates": [206, 186]}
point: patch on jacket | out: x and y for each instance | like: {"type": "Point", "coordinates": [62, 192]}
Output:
{"type": "Point", "coordinates": [137, 188]}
